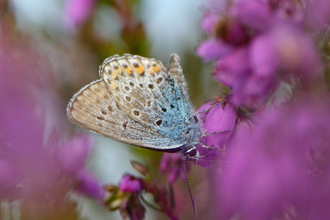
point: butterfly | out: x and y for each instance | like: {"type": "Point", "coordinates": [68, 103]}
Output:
{"type": "Point", "coordinates": [140, 102]}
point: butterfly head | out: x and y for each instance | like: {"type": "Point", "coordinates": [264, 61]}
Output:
{"type": "Point", "coordinates": [190, 153]}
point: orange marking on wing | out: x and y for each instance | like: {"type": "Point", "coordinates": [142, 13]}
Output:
{"type": "Point", "coordinates": [156, 68]}
{"type": "Point", "coordinates": [139, 69]}
{"type": "Point", "coordinates": [114, 75]}
{"type": "Point", "coordinates": [128, 70]}
{"type": "Point", "coordinates": [114, 85]}
{"type": "Point", "coordinates": [118, 69]}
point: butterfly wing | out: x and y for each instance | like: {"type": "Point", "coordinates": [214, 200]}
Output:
{"type": "Point", "coordinates": [94, 109]}
{"type": "Point", "coordinates": [148, 94]}
{"type": "Point", "coordinates": [175, 70]}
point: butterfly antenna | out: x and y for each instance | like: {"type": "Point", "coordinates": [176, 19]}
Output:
{"type": "Point", "coordinates": [191, 197]}
{"type": "Point", "coordinates": [213, 105]}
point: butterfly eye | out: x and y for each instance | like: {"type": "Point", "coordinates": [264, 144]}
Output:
{"type": "Point", "coordinates": [191, 152]}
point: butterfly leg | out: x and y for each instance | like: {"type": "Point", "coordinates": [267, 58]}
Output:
{"type": "Point", "coordinates": [215, 104]}
{"type": "Point", "coordinates": [207, 147]}
{"type": "Point", "coordinates": [212, 133]}
{"type": "Point", "coordinates": [211, 148]}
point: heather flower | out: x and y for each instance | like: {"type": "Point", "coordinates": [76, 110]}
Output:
{"type": "Point", "coordinates": [130, 184]}
{"type": "Point", "coordinates": [289, 11]}
{"type": "Point", "coordinates": [213, 49]}
{"type": "Point", "coordinates": [231, 31]}
{"type": "Point", "coordinates": [74, 153]}
{"type": "Point", "coordinates": [254, 14]}
{"type": "Point", "coordinates": [27, 153]}
{"type": "Point", "coordinates": [36, 168]}
{"type": "Point", "coordinates": [76, 12]}
{"type": "Point", "coordinates": [296, 53]}
{"type": "Point", "coordinates": [87, 184]}
{"type": "Point", "coordinates": [228, 72]}
{"type": "Point", "coordinates": [277, 167]}
{"type": "Point", "coordinates": [219, 117]}
{"type": "Point", "coordinates": [128, 196]}
{"type": "Point", "coordinates": [10, 179]}
{"type": "Point", "coordinates": [259, 44]}
{"type": "Point", "coordinates": [208, 23]}
{"type": "Point", "coordinates": [318, 14]}
{"type": "Point", "coordinates": [131, 207]}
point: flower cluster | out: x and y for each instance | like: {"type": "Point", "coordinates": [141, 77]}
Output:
{"type": "Point", "coordinates": [280, 164]}
{"type": "Point", "coordinates": [277, 145]}
{"type": "Point", "coordinates": [38, 165]}
{"type": "Point", "coordinates": [219, 120]}
{"type": "Point", "coordinates": [127, 197]}
{"type": "Point", "coordinates": [76, 12]}
{"type": "Point", "coordinates": [258, 45]}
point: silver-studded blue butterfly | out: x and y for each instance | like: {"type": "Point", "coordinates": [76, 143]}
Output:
{"type": "Point", "coordinates": [139, 102]}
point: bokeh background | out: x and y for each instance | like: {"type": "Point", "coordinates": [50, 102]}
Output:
{"type": "Point", "coordinates": [48, 51]}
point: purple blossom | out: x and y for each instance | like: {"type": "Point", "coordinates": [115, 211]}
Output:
{"type": "Point", "coordinates": [318, 13]}
{"type": "Point", "coordinates": [231, 32]}
{"type": "Point", "coordinates": [38, 169]}
{"type": "Point", "coordinates": [131, 184]}
{"type": "Point", "coordinates": [221, 117]}
{"type": "Point", "coordinates": [74, 153]}
{"type": "Point", "coordinates": [76, 12]}
{"type": "Point", "coordinates": [126, 197]}
{"type": "Point", "coordinates": [269, 171]}
{"type": "Point", "coordinates": [253, 13]}
{"type": "Point", "coordinates": [87, 184]}
{"type": "Point", "coordinates": [263, 56]}
{"type": "Point", "coordinates": [208, 23]}
{"type": "Point", "coordinates": [10, 179]}
{"type": "Point", "coordinates": [228, 72]}
{"type": "Point", "coordinates": [296, 52]}
{"type": "Point", "coordinates": [269, 45]}
{"type": "Point", "coordinates": [213, 49]}
{"type": "Point", "coordinates": [289, 11]}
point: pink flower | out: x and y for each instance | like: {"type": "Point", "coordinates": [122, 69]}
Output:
{"type": "Point", "coordinates": [278, 163]}
{"type": "Point", "coordinates": [228, 72]}
{"type": "Point", "coordinates": [296, 52]}
{"type": "Point", "coordinates": [74, 153]}
{"type": "Point", "coordinates": [289, 11]}
{"type": "Point", "coordinates": [37, 168]}
{"type": "Point", "coordinates": [222, 119]}
{"type": "Point", "coordinates": [253, 13]}
{"type": "Point", "coordinates": [76, 12]}
{"type": "Point", "coordinates": [208, 23]}
{"type": "Point", "coordinates": [131, 184]}
{"type": "Point", "coordinates": [258, 44]}
{"type": "Point", "coordinates": [232, 32]}
{"type": "Point", "coordinates": [10, 179]}
{"type": "Point", "coordinates": [213, 49]}
{"type": "Point", "coordinates": [87, 184]}
{"type": "Point", "coordinates": [318, 13]}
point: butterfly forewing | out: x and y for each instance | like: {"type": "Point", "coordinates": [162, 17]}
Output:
{"type": "Point", "coordinates": [94, 109]}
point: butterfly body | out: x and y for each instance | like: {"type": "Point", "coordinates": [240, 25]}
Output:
{"type": "Point", "coordinates": [140, 102]}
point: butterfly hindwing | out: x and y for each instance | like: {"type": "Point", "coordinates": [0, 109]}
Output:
{"type": "Point", "coordinates": [147, 93]}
